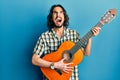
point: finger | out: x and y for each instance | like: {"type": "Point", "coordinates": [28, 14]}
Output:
{"type": "Point", "coordinates": [69, 64]}
{"type": "Point", "coordinates": [93, 31]}
{"type": "Point", "coordinates": [63, 59]}
{"type": "Point", "coordinates": [68, 70]}
{"type": "Point", "coordinates": [97, 28]}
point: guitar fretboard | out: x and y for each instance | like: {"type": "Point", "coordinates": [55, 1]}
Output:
{"type": "Point", "coordinates": [82, 42]}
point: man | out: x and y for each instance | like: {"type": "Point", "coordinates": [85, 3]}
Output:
{"type": "Point", "coordinates": [50, 41]}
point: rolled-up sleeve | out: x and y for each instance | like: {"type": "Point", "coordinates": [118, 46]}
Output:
{"type": "Point", "coordinates": [39, 47]}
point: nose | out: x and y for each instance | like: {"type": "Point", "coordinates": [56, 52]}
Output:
{"type": "Point", "coordinates": [58, 14]}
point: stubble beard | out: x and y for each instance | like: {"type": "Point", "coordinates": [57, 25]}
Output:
{"type": "Point", "coordinates": [56, 26]}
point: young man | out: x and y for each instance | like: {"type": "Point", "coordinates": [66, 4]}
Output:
{"type": "Point", "coordinates": [50, 41]}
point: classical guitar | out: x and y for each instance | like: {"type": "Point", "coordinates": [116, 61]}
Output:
{"type": "Point", "coordinates": [72, 51]}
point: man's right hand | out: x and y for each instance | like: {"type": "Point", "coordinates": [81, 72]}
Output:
{"type": "Point", "coordinates": [66, 67]}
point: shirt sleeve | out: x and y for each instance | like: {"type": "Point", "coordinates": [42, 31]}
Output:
{"type": "Point", "coordinates": [77, 36]}
{"type": "Point", "coordinates": [39, 47]}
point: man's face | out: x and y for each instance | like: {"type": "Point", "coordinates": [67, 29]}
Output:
{"type": "Point", "coordinates": [58, 17]}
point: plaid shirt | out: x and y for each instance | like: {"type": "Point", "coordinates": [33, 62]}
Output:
{"type": "Point", "coordinates": [49, 42]}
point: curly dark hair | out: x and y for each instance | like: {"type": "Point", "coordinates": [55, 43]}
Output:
{"type": "Point", "coordinates": [50, 22]}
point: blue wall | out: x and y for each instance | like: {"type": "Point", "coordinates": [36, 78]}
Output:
{"type": "Point", "coordinates": [22, 22]}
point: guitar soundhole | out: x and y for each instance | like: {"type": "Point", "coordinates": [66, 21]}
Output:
{"type": "Point", "coordinates": [68, 56]}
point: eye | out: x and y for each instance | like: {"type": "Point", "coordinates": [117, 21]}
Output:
{"type": "Point", "coordinates": [54, 12]}
{"type": "Point", "coordinates": [61, 11]}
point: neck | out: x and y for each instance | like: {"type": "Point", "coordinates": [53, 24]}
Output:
{"type": "Point", "coordinates": [59, 31]}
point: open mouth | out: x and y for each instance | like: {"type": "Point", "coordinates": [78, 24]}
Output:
{"type": "Point", "coordinates": [58, 20]}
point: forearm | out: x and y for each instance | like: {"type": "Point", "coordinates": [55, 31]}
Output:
{"type": "Point", "coordinates": [39, 61]}
{"type": "Point", "coordinates": [66, 67]}
{"type": "Point", "coordinates": [87, 49]}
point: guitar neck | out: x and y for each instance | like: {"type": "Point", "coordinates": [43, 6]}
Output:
{"type": "Point", "coordinates": [89, 35]}
{"type": "Point", "coordinates": [84, 40]}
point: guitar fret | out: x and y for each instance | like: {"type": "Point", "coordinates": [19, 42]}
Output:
{"type": "Point", "coordinates": [82, 42]}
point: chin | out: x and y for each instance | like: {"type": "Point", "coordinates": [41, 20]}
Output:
{"type": "Point", "coordinates": [58, 26]}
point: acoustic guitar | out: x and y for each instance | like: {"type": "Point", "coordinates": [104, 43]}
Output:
{"type": "Point", "coordinates": [72, 51]}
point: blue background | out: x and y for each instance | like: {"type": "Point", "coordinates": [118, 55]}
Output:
{"type": "Point", "coordinates": [22, 22]}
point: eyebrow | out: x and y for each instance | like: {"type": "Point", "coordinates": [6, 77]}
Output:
{"type": "Point", "coordinates": [56, 11]}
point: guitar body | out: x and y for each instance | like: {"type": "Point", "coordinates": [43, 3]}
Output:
{"type": "Point", "coordinates": [56, 56]}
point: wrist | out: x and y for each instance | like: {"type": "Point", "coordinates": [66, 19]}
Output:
{"type": "Point", "coordinates": [89, 40]}
{"type": "Point", "coordinates": [52, 66]}
{"type": "Point", "coordinates": [55, 64]}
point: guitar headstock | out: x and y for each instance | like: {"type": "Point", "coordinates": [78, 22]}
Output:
{"type": "Point", "coordinates": [108, 16]}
